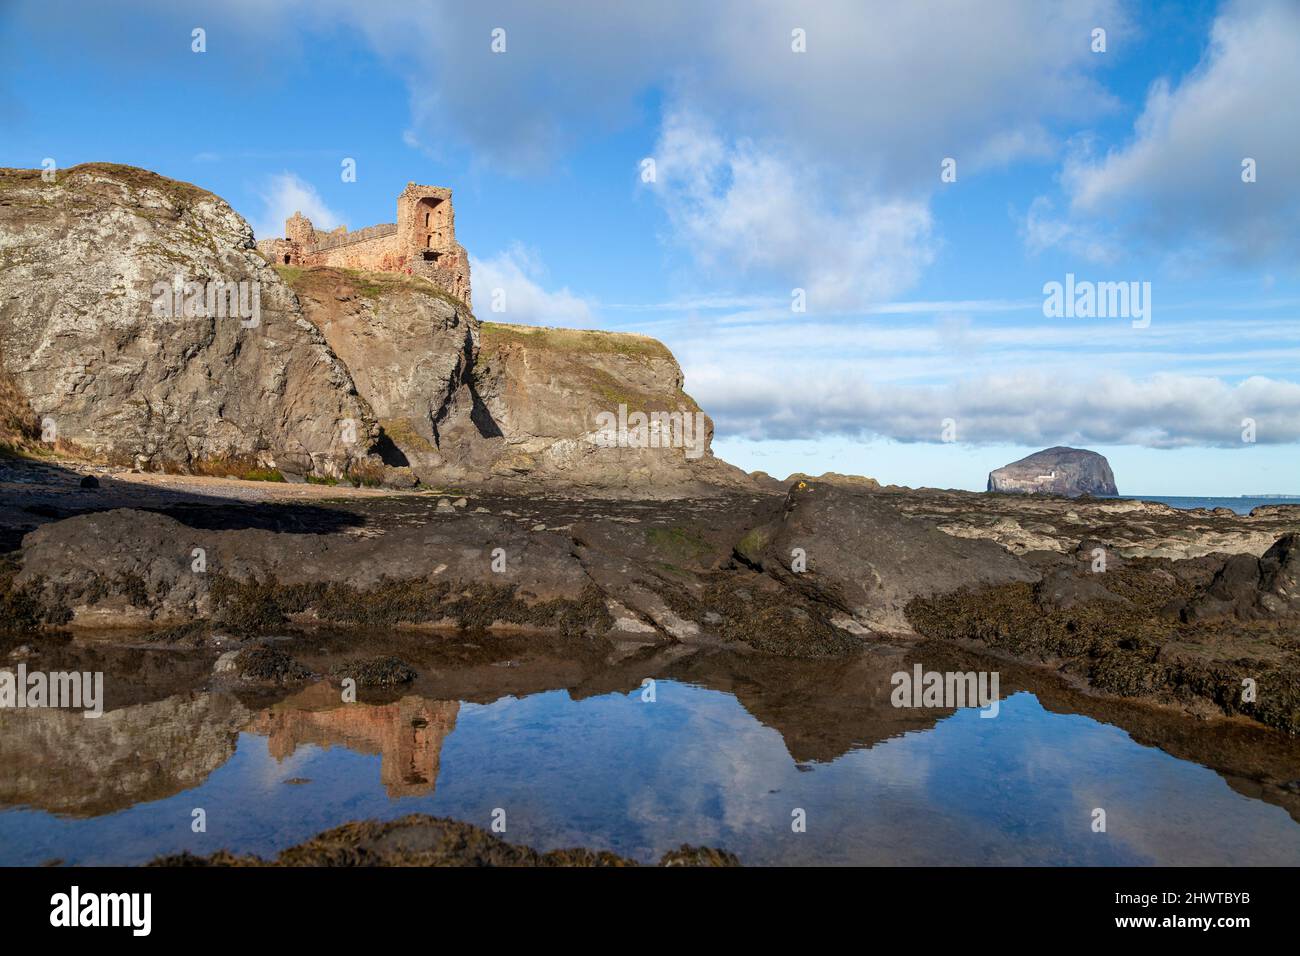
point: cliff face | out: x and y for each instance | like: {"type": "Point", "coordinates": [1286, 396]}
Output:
{"type": "Point", "coordinates": [511, 406]}
{"type": "Point", "coordinates": [1058, 471]}
{"type": "Point", "coordinates": [60, 762]}
{"type": "Point", "coordinates": [309, 371]}
{"type": "Point", "coordinates": [598, 409]}
{"type": "Point", "coordinates": [220, 376]}
{"type": "Point", "coordinates": [410, 348]}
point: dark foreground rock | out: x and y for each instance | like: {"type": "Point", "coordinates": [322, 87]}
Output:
{"type": "Point", "coordinates": [1127, 598]}
{"type": "Point", "coordinates": [1211, 635]}
{"type": "Point", "coordinates": [1249, 588]}
{"type": "Point", "coordinates": [419, 840]}
{"type": "Point", "coordinates": [858, 554]}
{"type": "Point", "coordinates": [1058, 471]}
{"type": "Point", "coordinates": [374, 671]}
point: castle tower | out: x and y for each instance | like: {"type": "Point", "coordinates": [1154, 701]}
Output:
{"type": "Point", "coordinates": [426, 237]}
{"type": "Point", "coordinates": [426, 226]}
{"type": "Point", "coordinates": [298, 228]}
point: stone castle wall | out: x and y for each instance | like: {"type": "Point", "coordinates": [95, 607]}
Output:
{"type": "Point", "coordinates": [374, 254]}
{"type": "Point", "coordinates": [422, 242]}
{"type": "Point", "coordinates": [334, 241]}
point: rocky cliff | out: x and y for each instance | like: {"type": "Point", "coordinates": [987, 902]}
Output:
{"type": "Point", "coordinates": [511, 406]}
{"type": "Point", "coordinates": [597, 409]}
{"type": "Point", "coordinates": [58, 761]}
{"type": "Point", "coordinates": [410, 348]}
{"type": "Point", "coordinates": [142, 326]}
{"type": "Point", "coordinates": [1057, 471]}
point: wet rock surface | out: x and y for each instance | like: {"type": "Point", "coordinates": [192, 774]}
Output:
{"type": "Point", "coordinates": [267, 664]}
{"type": "Point", "coordinates": [1250, 588]}
{"type": "Point", "coordinates": [858, 554]}
{"type": "Point", "coordinates": [1127, 631]}
{"type": "Point", "coordinates": [1129, 598]}
{"type": "Point", "coordinates": [419, 840]}
{"type": "Point", "coordinates": [375, 671]}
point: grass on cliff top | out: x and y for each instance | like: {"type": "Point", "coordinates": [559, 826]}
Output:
{"type": "Point", "coordinates": [369, 285]}
{"type": "Point", "coordinates": [292, 276]}
{"type": "Point", "coordinates": [133, 176]}
{"type": "Point", "coordinates": [572, 348]}
{"type": "Point", "coordinates": [496, 334]}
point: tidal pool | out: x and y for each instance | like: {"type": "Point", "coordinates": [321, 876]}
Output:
{"type": "Point", "coordinates": [611, 770]}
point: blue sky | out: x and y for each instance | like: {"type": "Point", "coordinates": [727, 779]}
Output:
{"type": "Point", "coordinates": [778, 170]}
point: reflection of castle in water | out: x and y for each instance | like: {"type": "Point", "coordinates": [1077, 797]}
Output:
{"type": "Point", "coordinates": [407, 734]}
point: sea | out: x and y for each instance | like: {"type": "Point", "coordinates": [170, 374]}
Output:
{"type": "Point", "coordinates": [1242, 504]}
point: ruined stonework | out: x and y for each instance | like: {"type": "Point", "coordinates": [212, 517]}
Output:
{"type": "Point", "coordinates": [422, 242]}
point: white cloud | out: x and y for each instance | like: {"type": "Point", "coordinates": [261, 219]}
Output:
{"type": "Point", "coordinates": [813, 170]}
{"type": "Point", "coordinates": [513, 278]}
{"type": "Point", "coordinates": [1162, 411]}
{"type": "Point", "coordinates": [1178, 183]}
{"type": "Point", "coordinates": [282, 196]}
{"type": "Point", "coordinates": [833, 152]}
{"type": "Point", "coordinates": [737, 207]}
{"type": "Point", "coordinates": [1042, 229]}
{"type": "Point", "coordinates": [995, 74]}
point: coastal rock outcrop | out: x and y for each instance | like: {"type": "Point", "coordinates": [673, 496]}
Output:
{"type": "Point", "coordinates": [223, 375]}
{"type": "Point", "coordinates": [140, 326]}
{"type": "Point", "coordinates": [1057, 471]}
{"type": "Point", "coordinates": [601, 410]}
{"type": "Point", "coordinates": [1248, 587]}
{"type": "Point", "coordinates": [512, 406]}
{"type": "Point", "coordinates": [857, 552]}
{"type": "Point", "coordinates": [141, 571]}
{"type": "Point", "coordinates": [410, 347]}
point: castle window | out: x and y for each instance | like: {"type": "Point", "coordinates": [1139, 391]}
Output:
{"type": "Point", "coordinates": [286, 258]}
{"type": "Point", "coordinates": [426, 220]}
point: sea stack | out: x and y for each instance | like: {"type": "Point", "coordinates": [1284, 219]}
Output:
{"type": "Point", "coordinates": [1056, 471]}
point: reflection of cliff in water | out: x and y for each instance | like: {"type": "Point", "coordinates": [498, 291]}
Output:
{"type": "Point", "coordinates": [407, 734]}
{"type": "Point", "coordinates": [62, 762]}
{"type": "Point", "coordinates": [821, 709]}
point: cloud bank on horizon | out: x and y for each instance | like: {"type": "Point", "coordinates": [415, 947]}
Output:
{"type": "Point", "coordinates": [818, 266]}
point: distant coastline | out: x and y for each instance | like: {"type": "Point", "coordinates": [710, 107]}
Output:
{"type": "Point", "coordinates": [1241, 504]}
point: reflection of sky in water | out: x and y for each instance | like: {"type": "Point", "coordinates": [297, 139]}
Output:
{"type": "Point", "coordinates": [614, 773]}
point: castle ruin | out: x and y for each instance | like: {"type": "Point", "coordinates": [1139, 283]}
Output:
{"type": "Point", "coordinates": [422, 242]}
